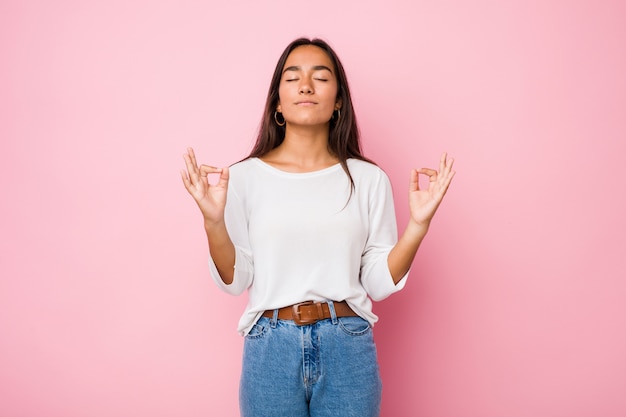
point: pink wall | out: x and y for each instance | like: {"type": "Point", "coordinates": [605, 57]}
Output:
{"type": "Point", "coordinates": [515, 307]}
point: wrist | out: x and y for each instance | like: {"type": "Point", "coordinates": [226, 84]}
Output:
{"type": "Point", "coordinates": [418, 230]}
{"type": "Point", "coordinates": [211, 225]}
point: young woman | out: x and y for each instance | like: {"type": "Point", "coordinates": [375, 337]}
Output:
{"type": "Point", "coordinates": [307, 225]}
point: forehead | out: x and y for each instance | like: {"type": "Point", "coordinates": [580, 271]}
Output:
{"type": "Point", "coordinates": [308, 56]}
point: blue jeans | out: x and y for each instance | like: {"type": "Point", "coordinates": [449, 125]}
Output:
{"type": "Point", "coordinates": [328, 368]}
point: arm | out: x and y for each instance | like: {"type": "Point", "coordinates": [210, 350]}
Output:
{"type": "Point", "coordinates": [222, 250]}
{"type": "Point", "coordinates": [211, 200]}
{"type": "Point", "coordinates": [422, 204]}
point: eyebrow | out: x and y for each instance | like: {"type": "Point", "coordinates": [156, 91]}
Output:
{"type": "Point", "coordinates": [315, 68]}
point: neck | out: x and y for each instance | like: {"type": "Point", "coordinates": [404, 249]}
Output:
{"type": "Point", "coordinates": [303, 150]}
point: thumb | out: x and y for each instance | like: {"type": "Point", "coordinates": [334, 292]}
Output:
{"type": "Point", "coordinates": [224, 177]}
{"type": "Point", "coordinates": [414, 184]}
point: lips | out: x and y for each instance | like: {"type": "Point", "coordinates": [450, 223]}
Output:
{"type": "Point", "coordinates": [305, 103]}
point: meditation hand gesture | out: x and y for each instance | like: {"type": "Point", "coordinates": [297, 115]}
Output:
{"type": "Point", "coordinates": [424, 203]}
{"type": "Point", "coordinates": [211, 199]}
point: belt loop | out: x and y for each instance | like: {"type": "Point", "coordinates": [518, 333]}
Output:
{"type": "Point", "coordinates": [333, 314]}
{"type": "Point", "coordinates": [274, 319]}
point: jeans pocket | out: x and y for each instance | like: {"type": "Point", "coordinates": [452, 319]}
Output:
{"type": "Point", "coordinates": [354, 326]}
{"type": "Point", "coordinates": [258, 330]}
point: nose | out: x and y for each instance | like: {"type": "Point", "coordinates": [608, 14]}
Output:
{"type": "Point", "coordinates": [305, 87]}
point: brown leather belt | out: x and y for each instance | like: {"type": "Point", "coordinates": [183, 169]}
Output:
{"type": "Point", "coordinates": [311, 312]}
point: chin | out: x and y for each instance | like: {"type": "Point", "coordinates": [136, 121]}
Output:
{"type": "Point", "coordinates": [310, 121]}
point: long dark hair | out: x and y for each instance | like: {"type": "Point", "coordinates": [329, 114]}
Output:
{"type": "Point", "coordinates": [343, 136]}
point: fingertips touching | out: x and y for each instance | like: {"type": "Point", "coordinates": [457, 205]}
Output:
{"type": "Point", "coordinates": [210, 169]}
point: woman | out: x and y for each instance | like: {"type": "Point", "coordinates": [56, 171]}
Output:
{"type": "Point", "coordinates": [307, 225]}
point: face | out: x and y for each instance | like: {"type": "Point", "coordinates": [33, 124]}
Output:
{"type": "Point", "coordinates": [308, 88]}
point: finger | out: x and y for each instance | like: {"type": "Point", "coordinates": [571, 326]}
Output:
{"type": "Point", "coordinates": [414, 184]}
{"type": "Point", "coordinates": [191, 168]}
{"type": "Point", "coordinates": [185, 178]}
{"type": "Point", "coordinates": [445, 183]}
{"type": "Point", "coordinates": [431, 173]}
{"type": "Point", "coordinates": [448, 165]}
{"type": "Point", "coordinates": [449, 173]}
{"type": "Point", "coordinates": [189, 186]}
{"type": "Point", "coordinates": [208, 169]}
{"type": "Point", "coordinates": [442, 161]}
{"type": "Point", "coordinates": [189, 162]}
{"type": "Point", "coordinates": [224, 177]}
{"type": "Point", "coordinates": [192, 156]}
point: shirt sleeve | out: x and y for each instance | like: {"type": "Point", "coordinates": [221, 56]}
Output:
{"type": "Point", "coordinates": [382, 236]}
{"type": "Point", "coordinates": [237, 226]}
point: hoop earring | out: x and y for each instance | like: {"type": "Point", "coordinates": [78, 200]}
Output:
{"type": "Point", "coordinates": [276, 120]}
{"type": "Point", "coordinates": [336, 119]}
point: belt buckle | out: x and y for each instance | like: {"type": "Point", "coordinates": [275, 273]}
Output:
{"type": "Point", "coordinates": [297, 314]}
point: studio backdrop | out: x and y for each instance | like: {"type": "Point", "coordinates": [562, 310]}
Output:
{"type": "Point", "coordinates": [515, 303]}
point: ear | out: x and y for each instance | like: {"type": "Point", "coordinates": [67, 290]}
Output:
{"type": "Point", "coordinates": [278, 108]}
{"type": "Point", "coordinates": [339, 103]}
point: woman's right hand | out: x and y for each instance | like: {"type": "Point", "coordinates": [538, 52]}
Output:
{"type": "Point", "coordinates": [211, 199]}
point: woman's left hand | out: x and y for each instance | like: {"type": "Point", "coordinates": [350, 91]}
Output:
{"type": "Point", "coordinates": [424, 203]}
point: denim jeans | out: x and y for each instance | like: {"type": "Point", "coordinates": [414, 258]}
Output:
{"type": "Point", "coordinates": [328, 368]}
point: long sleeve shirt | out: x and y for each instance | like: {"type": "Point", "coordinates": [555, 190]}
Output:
{"type": "Point", "coordinates": [306, 236]}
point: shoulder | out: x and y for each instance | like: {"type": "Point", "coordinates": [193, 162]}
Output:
{"type": "Point", "coordinates": [245, 169]}
{"type": "Point", "coordinates": [241, 174]}
{"type": "Point", "coordinates": [364, 166]}
{"type": "Point", "coordinates": [369, 179]}
{"type": "Point", "coordinates": [243, 165]}
{"type": "Point", "coordinates": [364, 170]}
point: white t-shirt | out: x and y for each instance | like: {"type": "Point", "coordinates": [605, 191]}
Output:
{"type": "Point", "coordinates": [302, 236]}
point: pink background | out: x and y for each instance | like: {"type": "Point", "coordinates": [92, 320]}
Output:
{"type": "Point", "coordinates": [516, 303]}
